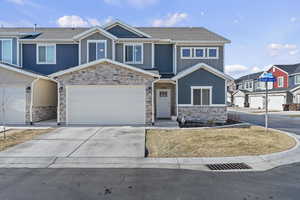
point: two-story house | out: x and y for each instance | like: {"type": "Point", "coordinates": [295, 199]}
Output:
{"type": "Point", "coordinates": [286, 89]}
{"type": "Point", "coordinates": [115, 74]}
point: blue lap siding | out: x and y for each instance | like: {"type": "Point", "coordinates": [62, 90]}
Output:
{"type": "Point", "coordinates": [66, 57]}
{"type": "Point", "coordinates": [201, 77]}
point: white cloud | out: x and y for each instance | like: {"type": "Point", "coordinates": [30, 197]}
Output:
{"type": "Point", "coordinates": [20, 23]}
{"type": "Point", "coordinates": [170, 19]}
{"type": "Point", "coordinates": [71, 21]}
{"type": "Point", "coordinates": [277, 49]}
{"type": "Point", "coordinates": [19, 2]}
{"type": "Point", "coordinates": [25, 2]}
{"type": "Point", "coordinates": [133, 3]}
{"type": "Point", "coordinates": [235, 68]}
{"type": "Point", "coordinates": [77, 21]}
{"type": "Point", "coordinates": [293, 19]}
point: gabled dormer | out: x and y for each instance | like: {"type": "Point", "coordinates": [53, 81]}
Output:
{"type": "Point", "coordinates": [123, 30]}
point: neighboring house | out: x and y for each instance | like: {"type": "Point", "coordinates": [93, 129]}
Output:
{"type": "Point", "coordinates": [115, 74]}
{"type": "Point", "coordinates": [286, 89]}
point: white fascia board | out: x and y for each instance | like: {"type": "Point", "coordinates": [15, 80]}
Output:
{"type": "Point", "coordinates": [294, 89]}
{"type": "Point", "coordinates": [99, 62]}
{"type": "Point", "coordinates": [126, 26]}
{"type": "Point", "coordinates": [200, 42]}
{"type": "Point", "coordinates": [7, 67]}
{"type": "Point", "coordinates": [92, 30]}
{"type": "Point", "coordinates": [202, 66]}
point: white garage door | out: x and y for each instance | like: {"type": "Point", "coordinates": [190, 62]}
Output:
{"type": "Point", "coordinates": [13, 100]}
{"type": "Point", "coordinates": [275, 102]}
{"type": "Point", "coordinates": [106, 105]}
{"type": "Point", "coordinates": [256, 102]}
{"type": "Point", "coordinates": [239, 101]}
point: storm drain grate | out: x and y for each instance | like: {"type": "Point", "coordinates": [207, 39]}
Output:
{"type": "Point", "coordinates": [228, 166]}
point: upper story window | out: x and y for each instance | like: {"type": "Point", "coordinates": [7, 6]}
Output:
{"type": "Point", "coordinates": [96, 49]}
{"type": "Point", "coordinates": [186, 52]}
{"type": "Point", "coordinates": [280, 81]}
{"type": "Point", "coordinates": [46, 54]}
{"type": "Point", "coordinates": [6, 49]}
{"type": "Point", "coordinates": [212, 53]}
{"type": "Point", "coordinates": [297, 79]}
{"type": "Point", "coordinates": [133, 53]}
{"type": "Point", "coordinates": [248, 85]}
{"type": "Point", "coordinates": [199, 52]}
{"type": "Point", "coordinates": [201, 95]}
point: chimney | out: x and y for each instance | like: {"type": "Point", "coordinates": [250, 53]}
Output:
{"type": "Point", "coordinates": [34, 27]}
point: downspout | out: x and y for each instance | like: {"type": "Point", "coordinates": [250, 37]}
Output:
{"type": "Point", "coordinates": [153, 120]}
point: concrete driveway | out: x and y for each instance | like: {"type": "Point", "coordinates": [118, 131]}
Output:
{"type": "Point", "coordinates": [84, 142]}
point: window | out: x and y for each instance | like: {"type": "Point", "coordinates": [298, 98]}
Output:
{"type": "Point", "coordinates": [201, 95]}
{"type": "Point", "coordinates": [46, 54]}
{"type": "Point", "coordinates": [297, 79]}
{"type": "Point", "coordinates": [6, 49]}
{"type": "Point", "coordinates": [280, 81]}
{"type": "Point", "coordinates": [133, 53]}
{"type": "Point", "coordinates": [212, 53]}
{"type": "Point", "coordinates": [96, 49]}
{"type": "Point", "coordinates": [186, 52]}
{"type": "Point", "coordinates": [199, 52]}
{"type": "Point", "coordinates": [163, 94]}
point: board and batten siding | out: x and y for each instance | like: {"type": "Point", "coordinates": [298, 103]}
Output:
{"type": "Point", "coordinates": [95, 36]}
{"type": "Point", "coordinates": [183, 64]}
{"type": "Point", "coordinates": [201, 77]}
{"type": "Point", "coordinates": [147, 55]}
{"type": "Point", "coordinates": [66, 57]}
{"type": "Point", "coordinates": [121, 32]}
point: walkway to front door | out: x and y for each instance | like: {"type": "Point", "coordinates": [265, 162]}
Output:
{"type": "Point", "coordinates": [163, 103]}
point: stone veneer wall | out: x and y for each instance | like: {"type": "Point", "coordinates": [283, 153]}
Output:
{"type": "Point", "coordinates": [41, 113]}
{"type": "Point", "coordinates": [204, 113]}
{"type": "Point", "coordinates": [27, 106]}
{"type": "Point", "coordinates": [105, 74]}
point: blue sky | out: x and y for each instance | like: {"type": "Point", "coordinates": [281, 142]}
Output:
{"type": "Point", "coordinates": [262, 32]}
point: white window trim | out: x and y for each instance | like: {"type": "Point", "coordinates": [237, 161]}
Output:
{"type": "Point", "coordinates": [297, 83]}
{"type": "Point", "coordinates": [96, 41]}
{"type": "Point", "coordinates": [186, 57]}
{"type": "Point", "coordinates": [217, 50]}
{"type": "Point", "coordinates": [201, 87]}
{"type": "Point", "coordinates": [204, 52]}
{"type": "Point", "coordinates": [37, 54]}
{"type": "Point", "coordinates": [280, 78]}
{"type": "Point", "coordinates": [11, 42]}
{"type": "Point", "coordinates": [133, 62]}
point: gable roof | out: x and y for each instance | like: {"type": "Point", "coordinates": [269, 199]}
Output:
{"type": "Point", "coordinates": [180, 34]}
{"type": "Point", "coordinates": [290, 69]}
{"type": "Point", "coordinates": [201, 66]}
{"type": "Point", "coordinates": [184, 34]}
{"type": "Point", "coordinates": [126, 26]}
{"type": "Point", "coordinates": [94, 30]}
{"type": "Point", "coordinates": [83, 66]}
{"type": "Point", "coordinates": [252, 76]}
{"type": "Point", "coordinates": [17, 69]}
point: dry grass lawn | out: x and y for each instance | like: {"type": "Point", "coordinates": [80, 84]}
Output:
{"type": "Point", "coordinates": [17, 136]}
{"type": "Point", "coordinates": [215, 142]}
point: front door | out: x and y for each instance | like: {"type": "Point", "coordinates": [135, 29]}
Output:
{"type": "Point", "coordinates": [163, 103]}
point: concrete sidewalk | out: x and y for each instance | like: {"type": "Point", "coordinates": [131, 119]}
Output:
{"type": "Point", "coordinates": [258, 163]}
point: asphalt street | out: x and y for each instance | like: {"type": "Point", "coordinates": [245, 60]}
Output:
{"type": "Point", "coordinates": [148, 184]}
{"type": "Point", "coordinates": [281, 122]}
